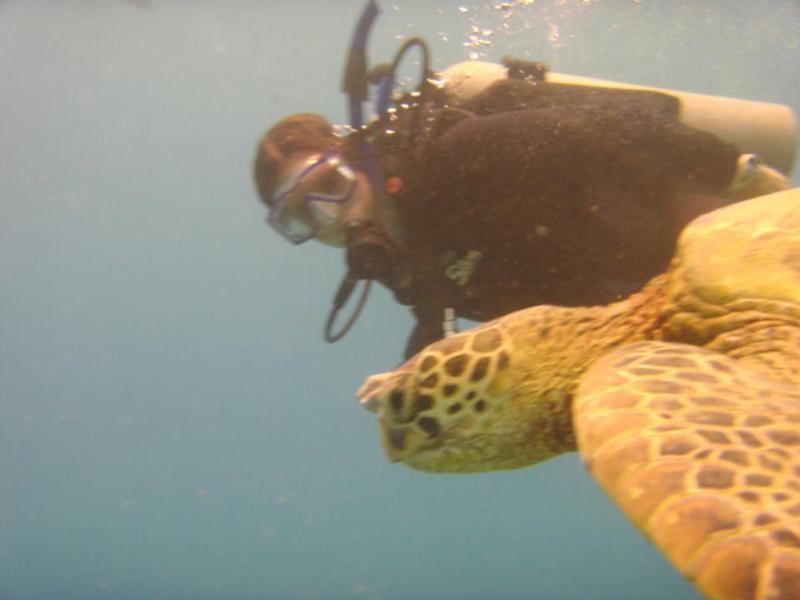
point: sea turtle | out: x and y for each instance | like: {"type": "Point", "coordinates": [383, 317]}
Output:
{"type": "Point", "coordinates": [683, 400]}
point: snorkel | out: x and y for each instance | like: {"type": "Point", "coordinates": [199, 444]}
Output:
{"type": "Point", "coordinates": [372, 238]}
{"type": "Point", "coordinates": [354, 82]}
{"type": "Point", "coordinates": [368, 225]}
{"type": "Point", "coordinates": [355, 85]}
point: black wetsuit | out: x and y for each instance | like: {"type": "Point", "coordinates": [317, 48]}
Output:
{"type": "Point", "coordinates": [543, 194]}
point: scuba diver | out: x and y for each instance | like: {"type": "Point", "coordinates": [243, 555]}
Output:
{"type": "Point", "coordinates": [493, 187]}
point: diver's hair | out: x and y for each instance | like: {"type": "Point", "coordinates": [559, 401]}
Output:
{"type": "Point", "coordinates": [300, 133]}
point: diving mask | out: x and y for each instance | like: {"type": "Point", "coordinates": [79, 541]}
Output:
{"type": "Point", "coordinates": [308, 205]}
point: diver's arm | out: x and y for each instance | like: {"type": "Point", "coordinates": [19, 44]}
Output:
{"type": "Point", "coordinates": [427, 330]}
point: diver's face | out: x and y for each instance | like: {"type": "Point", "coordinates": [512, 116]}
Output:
{"type": "Point", "coordinates": [310, 200]}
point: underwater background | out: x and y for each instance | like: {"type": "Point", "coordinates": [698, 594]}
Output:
{"type": "Point", "coordinates": [172, 426]}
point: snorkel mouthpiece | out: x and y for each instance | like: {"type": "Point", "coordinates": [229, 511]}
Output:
{"type": "Point", "coordinates": [369, 252]}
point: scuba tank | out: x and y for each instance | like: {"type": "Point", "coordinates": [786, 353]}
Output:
{"type": "Point", "coordinates": [762, 128]}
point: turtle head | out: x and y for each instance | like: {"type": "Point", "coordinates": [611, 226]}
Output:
{"type": "Point", "coordinates": [463, 405]}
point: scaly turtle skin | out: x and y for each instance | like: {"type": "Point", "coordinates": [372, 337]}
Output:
{"type": "Point", "coordinates": [684, 400]}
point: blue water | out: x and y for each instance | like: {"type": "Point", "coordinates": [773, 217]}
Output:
{"type": "Point", "coordinates": [171, 424]}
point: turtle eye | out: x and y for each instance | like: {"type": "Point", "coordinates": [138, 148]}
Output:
{"type": "Point", "coordinates": [397, 400]}
{"type": "Point", "coordinates": [430, 426]}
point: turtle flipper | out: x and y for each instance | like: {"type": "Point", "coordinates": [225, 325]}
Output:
{"type": "Point", "coordinates": [703, 454]}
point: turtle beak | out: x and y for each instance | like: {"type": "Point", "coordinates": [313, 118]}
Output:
{"type": "Point", "coordinates": [369, 394]}
{"type": "Point", "coordinates": [376, 388]}
{"type": "Point", "coordinates": [371, 403]}
{"type": "Point", "coordinates": [399, 439]}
